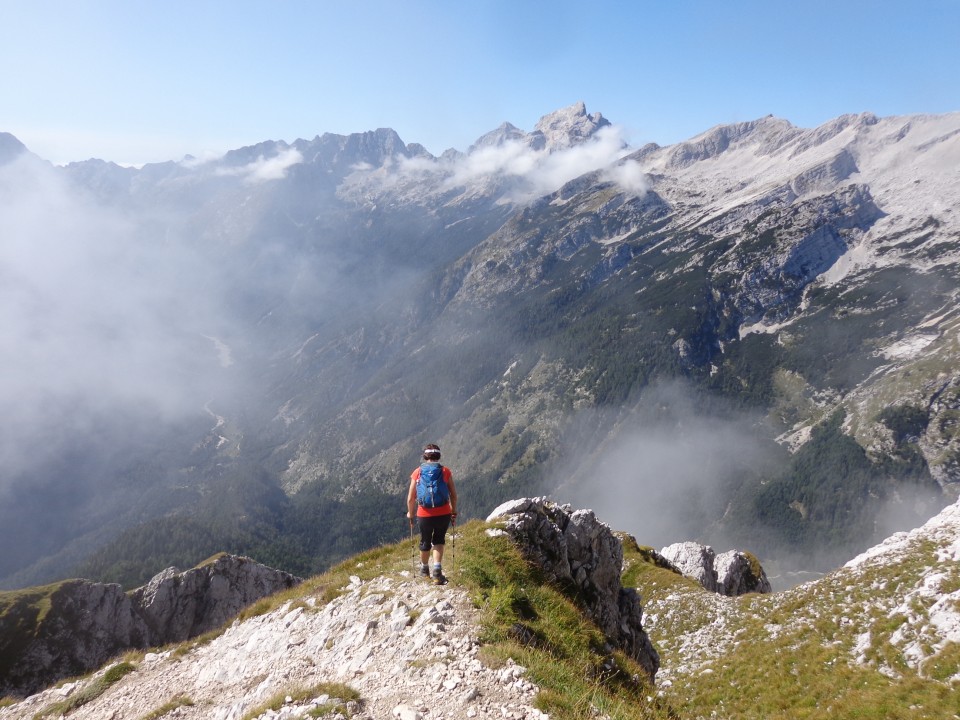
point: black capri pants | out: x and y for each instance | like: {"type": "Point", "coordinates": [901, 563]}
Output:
{"type": "Point", "coordinates": [433, 531]}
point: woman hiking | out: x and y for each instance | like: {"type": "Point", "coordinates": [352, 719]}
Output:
{"type": "Point", "coordinates": [433, 497]}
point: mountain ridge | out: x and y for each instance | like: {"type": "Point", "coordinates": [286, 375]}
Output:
{"type": "Point", "coordinates": [512, 303]}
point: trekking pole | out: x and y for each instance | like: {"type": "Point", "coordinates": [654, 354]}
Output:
{"type": "Point", "coordinates": [453, 537]}
{"type": "Point", "coordinates": [413, 547]}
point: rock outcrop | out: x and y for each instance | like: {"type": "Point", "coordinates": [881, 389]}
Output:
{"type": "Point", "coordinates": [739, 573]}
{"type": "Point", "coordinates": [731, 573]}
{"type": "Point", "coordinates": [582, 554]}
{"type": "Point", "coordinates": [72, 627]}
{"type": "Point", "coordinates": [693, 560]}
{"type": "Point", "coordinates": [179, 605]}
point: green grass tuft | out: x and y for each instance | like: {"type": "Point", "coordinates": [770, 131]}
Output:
{"type": "Point", "coordinates": [90, 691]}
{"type": "Point", "coordinates": [297, 695]}
{"type": "Point", "coordinates": [168, 707]}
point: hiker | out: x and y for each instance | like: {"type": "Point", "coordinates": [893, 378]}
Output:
{"type": "Point", "coordinates": [434, 497]}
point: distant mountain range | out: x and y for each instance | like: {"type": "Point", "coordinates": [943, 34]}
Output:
{"type": "Point", "coordinates": [749, 338]}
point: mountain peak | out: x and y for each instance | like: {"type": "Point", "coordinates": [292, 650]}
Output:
{"type": "Point", "coordinates": [561, 129]}
{"type": "Point", "coordinates": [505, 133]}
{"type": "Point", "coordinates": [569, 126]}
{"type": "Point", "coordinates": [10, 148]}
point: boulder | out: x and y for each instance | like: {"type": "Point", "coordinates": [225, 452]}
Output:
{"type": "Point", "coordinates": [695, 561]}
{"type": "Point", "coordinates": [731, 573]}
{"type": "Point", "coordinates": [739, 573]}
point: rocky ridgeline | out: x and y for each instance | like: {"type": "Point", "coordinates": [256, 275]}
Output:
{"type": "Point", "coordinates": [579, 552]}
{"type": "Point", "coordinates": [88, 623]}
{"type": "Point", "coordinates": [408, 649]}
{"type": "Point", "coordinates": [894, 608]}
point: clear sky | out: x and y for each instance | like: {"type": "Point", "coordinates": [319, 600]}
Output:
{"type": "Point", "coordinates": [135, 81]}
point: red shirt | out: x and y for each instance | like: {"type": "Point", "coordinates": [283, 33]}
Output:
{"type": "Point", "coordinates": [443, 509]}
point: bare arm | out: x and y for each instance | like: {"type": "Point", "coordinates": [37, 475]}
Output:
{"type": "Point", "coordinates": [453, 495]}
{"type": "Point", "coordinates": [412, 500]}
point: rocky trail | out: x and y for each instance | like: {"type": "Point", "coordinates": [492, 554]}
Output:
{"type": "Point", "coordinates": [406, 646]}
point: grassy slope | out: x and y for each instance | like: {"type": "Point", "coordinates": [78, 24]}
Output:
{"type": "Point", "coordinates": [22, 613]}
{"type": "Point", "coordinates": [821, 650]}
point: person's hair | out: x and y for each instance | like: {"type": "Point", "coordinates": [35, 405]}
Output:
{"type": "Point", "coordinates": [431, 452]}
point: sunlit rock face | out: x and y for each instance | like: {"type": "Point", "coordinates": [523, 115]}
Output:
{"type": "Point", "coordinates": [88, 623]}
{"type": "Point", "coordinates": [579, 552]}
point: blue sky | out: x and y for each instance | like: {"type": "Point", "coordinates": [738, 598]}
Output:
{"type": "Point", "coordinates": [137, 82]}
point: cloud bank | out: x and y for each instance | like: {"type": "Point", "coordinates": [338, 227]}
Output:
{"type": "Point", "coordinates": [100, 315]}
{"type": "Point", "coordinates": [668, 467]}
{"type": "Point", "coordinates": [265, 168]}
{"type": "Point", "coordinates": [527, 172]}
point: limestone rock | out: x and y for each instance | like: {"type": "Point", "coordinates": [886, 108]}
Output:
{"type": "Point", "coordinates": [578, 552]}
{"type": "Point", "coordinates": [179, 605]}
{"type": "Point", "coordinates": [569, 126]}
{"type": "Point", "coordinates": [739, 573]}
{"type": "Point", "coordinates": [506, 133]}
{"type": "Point", "coordinates": [87, 623]}
{"type": "Point", "coordinates": [559, 130]}
{"type": "Point", "coordinates": [694, 561]}
{"type": "Point", "coordinates": [730, 573]}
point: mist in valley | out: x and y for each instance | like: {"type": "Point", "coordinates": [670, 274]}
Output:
{"type": "Point", "coordinates": [147, 312]}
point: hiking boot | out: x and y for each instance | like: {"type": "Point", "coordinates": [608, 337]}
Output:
{"type": "Point", "coordinates": [439, 578]}
{"type": "Point", "coordinates": [424, 571]}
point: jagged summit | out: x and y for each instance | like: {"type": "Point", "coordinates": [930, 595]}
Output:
{"type": "Point", "coordinates": [505, 133]}
{"type": "Point", "coordinates": [559, 130]}
{"type": "Point", "coordinates": [569, 126]}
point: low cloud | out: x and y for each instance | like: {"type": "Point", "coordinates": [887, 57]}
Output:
{"type": "Point", "coordinates": [670, 463]}
{"type": "Point", "coordinates": [531, 173]}
{"type": "Point", "coordinates": [629, 176]}
{"type": "Point", "coordinates": [191, 162]}
{"type": "Point", "coordinates": [263, 168]}
{"type": "Point", "coordinates": [99, 316]}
